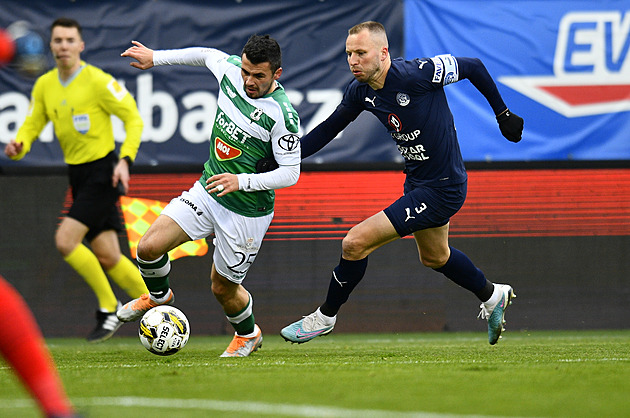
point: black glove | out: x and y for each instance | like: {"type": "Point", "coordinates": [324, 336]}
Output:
{"type": "Point", "coordinates": [266, 164]}
{"type": "Point", "coordinates": [511, 125]}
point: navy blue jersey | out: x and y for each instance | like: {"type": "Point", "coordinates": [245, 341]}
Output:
{"type": "Point", "coordinates": [412, 106]}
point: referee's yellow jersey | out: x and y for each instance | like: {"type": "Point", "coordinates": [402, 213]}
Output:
{"type": "Point", "coordinates": [80, 110]}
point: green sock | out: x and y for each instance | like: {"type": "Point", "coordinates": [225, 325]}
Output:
{"type": "Point", "coordinates": [155, 275]}
{"type": "Point", "coordinates": [243, 322]}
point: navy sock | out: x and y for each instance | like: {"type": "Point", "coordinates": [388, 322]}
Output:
{"type": "Point", "coordinates": [344, 279]}
{"type": "Point", "coordinates": [461, 270]}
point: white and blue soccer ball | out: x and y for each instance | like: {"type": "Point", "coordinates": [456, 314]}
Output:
{"type": "Point", "coordinates": [164, 330]}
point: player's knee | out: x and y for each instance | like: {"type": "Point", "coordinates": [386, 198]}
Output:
{"type": "Point", "coordinates": [108, 261]}
{"type": "Point", "coordinates": [353, 247]}
{"type": "Point", "coordinates": [222, 289]}
{"type": "Point", "coordinates": [147, 250]}
{"type": "Point", "coordinates": [433, 261]}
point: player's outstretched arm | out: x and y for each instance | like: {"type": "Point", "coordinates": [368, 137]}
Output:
{"type": "Point", "coordinates": [141, 53]}
{"type": "Point", "coordinates": [511, 124]}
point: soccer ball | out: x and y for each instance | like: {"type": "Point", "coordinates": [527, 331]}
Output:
{"type": "Point", "coordinates": [164, 330]}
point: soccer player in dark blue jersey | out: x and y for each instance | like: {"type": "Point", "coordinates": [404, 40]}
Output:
{"type": "Point", "coordinates": [408, 98]}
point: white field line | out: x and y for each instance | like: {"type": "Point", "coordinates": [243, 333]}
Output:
{"type": "Point", "coordinates": [257, 408]}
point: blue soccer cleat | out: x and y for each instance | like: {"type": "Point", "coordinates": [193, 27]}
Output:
{"type": "Point", "coordinates": [496, 314]}
{"type": "Point", "coordinates": [307, 328]}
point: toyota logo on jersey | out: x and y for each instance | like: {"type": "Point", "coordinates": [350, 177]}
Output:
{"type": "Point", "coordinates": [289, 142]}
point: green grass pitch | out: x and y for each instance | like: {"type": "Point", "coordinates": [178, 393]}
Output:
{"type": "Point", "coordinates": [527, 374]}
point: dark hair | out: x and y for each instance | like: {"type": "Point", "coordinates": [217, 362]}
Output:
{"type": "Point", "coordinates": [263, 48]}
{"type": "Point", "coordinates": [66, 22]}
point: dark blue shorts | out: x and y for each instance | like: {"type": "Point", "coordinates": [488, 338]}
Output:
{"type": "Point", "coordinates": [426, 207]}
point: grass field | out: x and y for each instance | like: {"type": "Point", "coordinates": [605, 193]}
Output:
{"type": "Point", "coordinates": [528, 374]}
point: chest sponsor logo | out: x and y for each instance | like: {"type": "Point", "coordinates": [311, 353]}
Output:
{"type": "Point", "coordinates": [225, 152]}
{"type": "Point", "coordinates": [394, 122]}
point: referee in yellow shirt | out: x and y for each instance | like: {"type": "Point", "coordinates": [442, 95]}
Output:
{"type": "Point", "coordinates": [79, 99]}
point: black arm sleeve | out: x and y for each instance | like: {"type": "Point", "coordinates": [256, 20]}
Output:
{"type": "Point", "coordinates": [474, 70]}
{"type": "Point", "coordinates": [326, 131]}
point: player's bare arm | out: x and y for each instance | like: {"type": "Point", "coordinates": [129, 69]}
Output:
{"type": "Point", "coordinates": [141, 53]}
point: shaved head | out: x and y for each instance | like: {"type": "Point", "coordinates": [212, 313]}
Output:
{"type": "Point", "coordinates": [376, 30]}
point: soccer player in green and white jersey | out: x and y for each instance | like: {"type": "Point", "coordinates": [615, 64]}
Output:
{"type": "Point", "coordinates": [254, 149]}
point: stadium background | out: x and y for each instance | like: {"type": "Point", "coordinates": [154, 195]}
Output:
{"type": "Point", "coordinates": [550, 215]}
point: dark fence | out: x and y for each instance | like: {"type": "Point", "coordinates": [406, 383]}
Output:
{"type": "Point", "coordinates": [562, 280]}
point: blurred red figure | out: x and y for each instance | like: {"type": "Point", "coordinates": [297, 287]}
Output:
{"type": "Point", "coordinates": [22, 346]}
{"type": "Point", "coordinates": [7, 47]}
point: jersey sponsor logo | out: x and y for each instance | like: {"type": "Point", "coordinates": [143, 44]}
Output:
{"type": "Point", "coordinates": [409, 136]}
{"type": "Point", "coordinates": [192, 205]}
{"type": "Point", "coordinates": [229, 128]}
{"type": "Point", "coordinates": [117, 90]}
{"type": "Point", "coordinates": [372, 101]}
{"type": "Point", "coordinates": [415, 152]}
{"type": "Point", "coordinates": [289, 142]}
{"type": "Point", "coordinates": [225, 152]}
{"type": "Point", "coordinates": [403, 99]}
{"type": "Point", "coordinates": [438, 69]}
{"type": "Point", "coordinates": [81, 123]}
{"type": "Point", "coordinates": [394, 122]}
{"type": "Point", "coordinates": [590, 66]}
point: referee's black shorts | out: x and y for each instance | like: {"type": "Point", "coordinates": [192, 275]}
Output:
{"type": "Point", "coordinates": [94, 198]}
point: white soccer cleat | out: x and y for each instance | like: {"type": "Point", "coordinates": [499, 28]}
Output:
{"type": "Point", "coordinates": [496, 314]}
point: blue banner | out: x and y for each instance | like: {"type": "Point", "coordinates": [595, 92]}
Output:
{"type": "Point", "coordinates": [178, 103]}
{"type": "Point", "coordinates": [564, 66]}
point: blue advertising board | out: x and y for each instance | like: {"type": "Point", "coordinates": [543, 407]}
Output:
{"type": "Point", "coordinates": [178, 103]}
{"type": "Point", "coordinates": [564, 66]}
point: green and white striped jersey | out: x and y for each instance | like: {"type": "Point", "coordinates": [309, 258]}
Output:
{"type": "Point", "coordinates": [244, 130]}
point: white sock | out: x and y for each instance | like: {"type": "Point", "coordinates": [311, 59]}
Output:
{"type": "Point", "coordinates": [495, 298]}
{"type": "Point", "coordinates": [253, 334]}
{"type": "Point", "coordinates": [327, 320]}
{"type": "Point", "coordinates": [162, 299]}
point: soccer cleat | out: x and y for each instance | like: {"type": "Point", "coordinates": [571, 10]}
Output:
{"type": "Point", "coordinates": [306, 329]}
{"type": "Point", "coordinates": [243, 347]}
{"type": "Point", "coordinates": [134, 309]}
{"type": "Point", "coordinates": [496, 314]}
{"type": "Point", "coordinates": [106, 325]}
